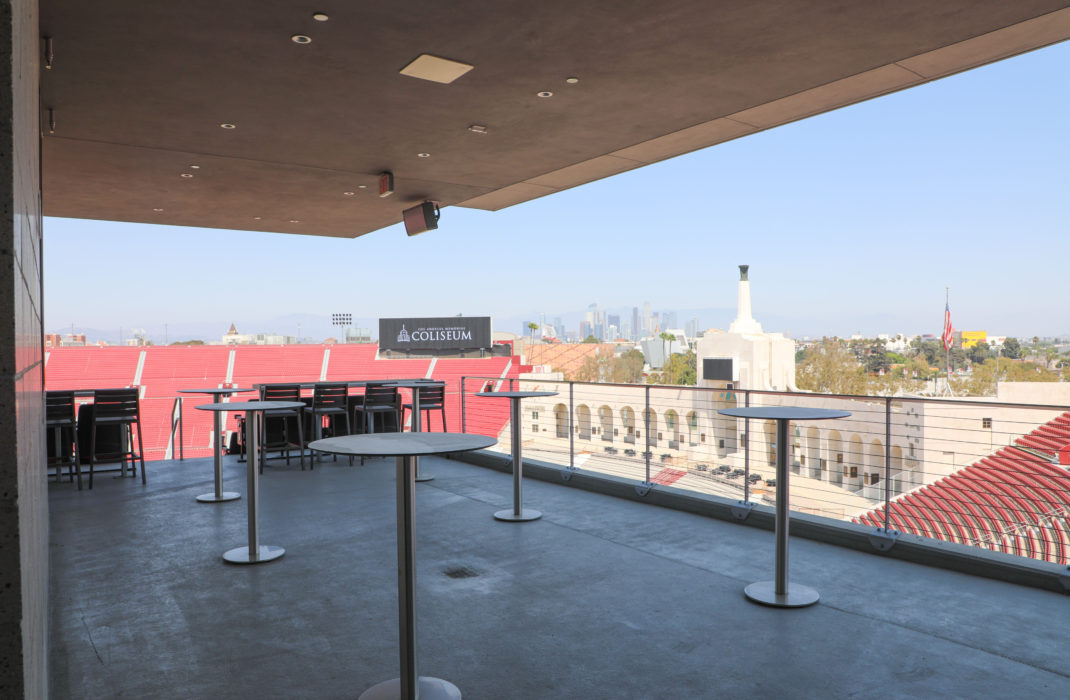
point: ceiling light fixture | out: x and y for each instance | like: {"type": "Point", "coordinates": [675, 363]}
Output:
{"type": "Point", "coordinates": [227, 126]}
{"type": "Point", "coordinates": [186, 175]}
{"type": "Point", "coordinates": [157, 209]}
{"type": "Point", "coordinates": [435, 69]}
{"type": "Point", "coordinates": [301, 39]}
{"type": "Point", "coordinates": [545, 93]}
{"type": "Point", "coordinates": [423, 155]}
{"type": "Point", "coordinates": [349, 194]}
{"type": "Point", "coordinates": [320, 16]}
{"type": "Point", "coordinates": [256, 218]}
{"type": "Point", "coordinates": [362, 187]}
{"type": "Point", "coordinates": [195, 167]}
{"type": "Point", "coordinates": [295, 221]}
{"type": "Point", "coordinates": [478, 129]}
{"type": "Point", "coordinates": [572, 81]}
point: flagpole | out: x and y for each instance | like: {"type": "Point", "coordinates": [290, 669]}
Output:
{"type": "Point", "coordinates": [947, 344]}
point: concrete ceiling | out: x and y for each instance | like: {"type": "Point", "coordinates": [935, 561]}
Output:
{"type": "Point", "coordinates": [137, 92]}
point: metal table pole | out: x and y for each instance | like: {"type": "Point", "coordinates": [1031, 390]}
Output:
{"type": "Point", "coordinates": [410, 686]}
{"type": "Point", "coordinates": [255, 553]}
{"type": "Point", "coordinates": [219, 494]}
{"type": "Point", "coordinates": [517, 514]}
{"type": "Point", "coordinates": [407, 573]}
{"type": "Point", "coordinates": [780, 593]}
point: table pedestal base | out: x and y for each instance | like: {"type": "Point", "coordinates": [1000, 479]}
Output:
{"type": "Point", "coordinates": [225, 496]}
{"type": "Point", "coordinates": [424, 477]}
{"type": "Point", "coordinates": [430, 689]}
{"type": "Point", "coordinates": [240, 555]}
{"type": "Point", "coordinates": [525, 514]}
{"type": "Point", "coordinates": [798, 596]}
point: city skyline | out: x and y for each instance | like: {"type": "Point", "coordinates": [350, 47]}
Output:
{"type": "Point", "coordinates": [853, 221]}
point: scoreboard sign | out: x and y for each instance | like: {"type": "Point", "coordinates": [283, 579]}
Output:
{"type": "Point", "coordinates": [449, 333]}
{"type": "Point", "coordinates": [717, 368]}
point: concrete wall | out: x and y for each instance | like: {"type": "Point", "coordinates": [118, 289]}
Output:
{"type": "Point", "coordinates": [23, 486]}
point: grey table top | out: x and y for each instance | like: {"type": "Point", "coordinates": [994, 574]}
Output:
{"type": "Point", "coordinates": [402, 444]}
{"type": "Point", "coordinates": [515, 394]}
{"type": "Point", "coordinates": [784, 413]}
{"type": "Point", "coordinates": [415, 383]}
{"type": "Point", "coordinates": [214, 391]}
{"type": "Point", "coordinates": [252, 405]}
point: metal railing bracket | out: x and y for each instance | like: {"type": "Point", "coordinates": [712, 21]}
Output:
{"type": "Point", "coordinates": [883, 540]}
{"type": "Point", "coordinates": [741, 509]}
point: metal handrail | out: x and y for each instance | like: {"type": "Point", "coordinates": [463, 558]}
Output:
{"type": "Point", "coordinates": [867, 451]}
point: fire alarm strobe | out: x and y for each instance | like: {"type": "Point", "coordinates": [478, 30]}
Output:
{"type": "Point", "coordinates": [386, 183]}
{"type": "Point", "coordinates": [422, 217]}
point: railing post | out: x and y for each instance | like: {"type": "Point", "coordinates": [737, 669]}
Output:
{"type": "Point", "coordinates": [746, 450]}
{"type": "Point", "coordinates": [646, 433]}
{"type": "Point", "coordinates": [181, 441]}
{"type": "Point", "coordinates": [887, 458]}
{"type": "Point", "coordinates": [742, 509]}
{"type": "Point", "coordinates": [571, 428]}
{"type": "Point", "coordinates": [884, 538]}
{"type": "Point", "coordinates": [464, 416]}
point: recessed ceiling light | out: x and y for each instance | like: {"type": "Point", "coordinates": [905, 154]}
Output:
{"type": "Point", "coordinates": [423, 155]}
{"type": "Point", "coordinates": [572, 81]}
{"type": "Point", "coordinates": [301, 39]}
{"type": "Point", "coordinates": [256, 218]}
{"type": "Point", "coordinates": [435, 69]}
{"type": "Point", "coordinates": [320, 17]}
{"type": "Point", "coordinates": [478, 129]}
{"type": "Point", "coordinates": [194, 167]}
{"type": "Point", "coordinates": [227, 126]}
{"type": "Point", "coordinates": [545, 93]}
{"type": "Point", "coordinates": [157, 209]}
{"type": "Point", "coordinates": [295, 221]}
{"type": "Point", "coordinates": [349, 194]}
{"type": "Point", "coordinates": [362, 187]}
{"type": "Point", "coordinates": [186, 175]}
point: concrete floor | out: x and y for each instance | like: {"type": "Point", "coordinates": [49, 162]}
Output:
{"type": "Point", "coordinates": [601, 598]}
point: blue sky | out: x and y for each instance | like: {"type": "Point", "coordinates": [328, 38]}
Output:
{"type": "Point", "coordinates": [851, 221]}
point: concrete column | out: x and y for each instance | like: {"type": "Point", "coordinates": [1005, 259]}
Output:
{"type": "Point", "coordinates": [23, 478]}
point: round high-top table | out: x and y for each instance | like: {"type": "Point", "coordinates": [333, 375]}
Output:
{"type": "Point", "coordinates": [217, 397]}
{"type": "Point", "coordinates": [254, 553]}
{"type": "Point", "coordinates": [517, 514]}
{"type": "Point", "coordinates": [779, 593]}
{"type": "Point", "coordinates": [406, 447]}
{"type": "Point", "coordinates": [415, 385]}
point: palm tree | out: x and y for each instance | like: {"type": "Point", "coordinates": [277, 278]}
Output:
{"type": "Point", "coordinates": [532, 327]}
{"type": "Point", "coordinates": [665, 335]}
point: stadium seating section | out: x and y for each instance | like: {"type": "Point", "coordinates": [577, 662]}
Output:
{"type": "Point", "coordinates": [1016, 500]}
{"type": "Point", "coordinates": [161, 372]}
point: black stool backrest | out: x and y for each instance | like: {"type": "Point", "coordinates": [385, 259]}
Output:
{"type": "Point", "coordinates": [432, 396]}
{"type": "Point", "coordinates": [280, 392]}
{"type": "Point", "coordinates": [116, 404]}
{"type": "Point", "coordinates": [379, 395]}
{"type": "Point", "coordinates": [330, 396]}
{"type": "Point", "coordinates": [59, 406]}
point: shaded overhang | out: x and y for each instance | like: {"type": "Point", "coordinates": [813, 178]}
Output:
{"type": "Point", "coordinates": [134, 93]}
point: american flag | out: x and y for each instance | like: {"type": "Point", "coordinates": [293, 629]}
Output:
{"type": "Point", "coordinates": [947, 337]}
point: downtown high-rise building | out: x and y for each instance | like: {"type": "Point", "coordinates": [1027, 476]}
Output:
{"type": "Point", "coordinates": [637, 328]}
